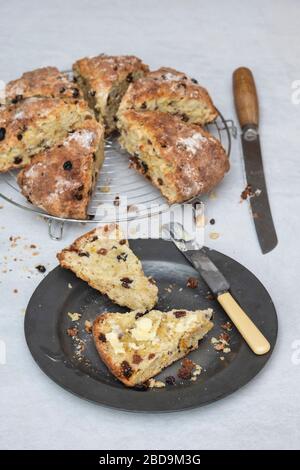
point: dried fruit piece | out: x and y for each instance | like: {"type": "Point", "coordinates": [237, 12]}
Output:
{"type": "Point", "coordinates": [102, 251]}
{"type": "Point", "coordinates": [126, 369]}
{"type": "Point", "coordinates": [192, 282]}
{"type": "Point", "coordinates": [179, 313]}
{"type": "Point", "coordinates": [41, 268]}
{"type": "Point", "coordinates": [186, 369]}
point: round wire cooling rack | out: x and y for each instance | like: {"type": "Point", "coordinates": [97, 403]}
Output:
{"type": "Point", "coordinates": [120, 194]}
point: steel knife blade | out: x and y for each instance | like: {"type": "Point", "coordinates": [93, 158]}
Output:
{"type": "Point", "coordinates": [246, 103]}
{"type": "Point", "coordinates": [198, 256]}
{"type": "Point", "coordinates": [259, 201]}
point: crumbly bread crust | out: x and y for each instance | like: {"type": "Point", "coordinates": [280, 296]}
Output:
{"type": "Point", "coordinates": [42, 82]}
{"type": "Point", "coordinates": [136, 348]}
{"type": "Point", "coordinates": [104, 80]}
{"type": "Point", "coordinates": [168, 90]}
{"type": "Point", "coordinates": [60, 180]}
{"type": "Point", "coordinates": [103, 258]}
{"type": "Point", "coordinates": [180, 159]}
{"type": "Point", "coordinates": [34, 124]}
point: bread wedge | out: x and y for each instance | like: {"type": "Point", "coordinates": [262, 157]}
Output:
{"type": "Point", "coordinates": [61, 180]}
{"type": "Point", "coordinates": [103, 258]}
{"type": "Point", "coordinates": [35, 124]}
{"type": "Point", "coordinates": [104, 79]}
{"type": "Point", "coordinates": [43, 82]}
{"type": "Point", "coordinates": [136, 347]}
{"type": "Point", "coordinates": [170, 91]}
{"type": "Point", "coordinates": [181, 160]}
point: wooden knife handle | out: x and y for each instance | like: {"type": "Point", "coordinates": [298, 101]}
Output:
{"type": "Point", "coordinates": [245, 97]}
{"type": "Point", "coordinates": [251, 334]}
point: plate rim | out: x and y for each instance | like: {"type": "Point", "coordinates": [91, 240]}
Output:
{"type": "Point", "coordinates": [106, 387]}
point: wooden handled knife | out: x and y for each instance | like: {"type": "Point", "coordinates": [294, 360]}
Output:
{"type": "Point", "coordinates": [246, 103]}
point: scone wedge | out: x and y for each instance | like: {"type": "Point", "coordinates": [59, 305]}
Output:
{"type": "Point", "coordinates": [60, 180]}
{"type": "Point", "coordinates": [137, 347]}
{"type": "Point", "coordinates": [43, 82]}
{"type": "Point", "coordinates": [35, 124]}
{"type": "Point", "coordinates": [182, 160]}
{"type": "Point", "coordinates": [104, 259]}
{"type": "Point", "coordinates": [104, 79]}
{"type": "Point", "coordinates": [170, 91]}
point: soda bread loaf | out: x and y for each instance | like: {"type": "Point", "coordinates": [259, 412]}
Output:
{"type": "Point", "coordinates": [104, 80]}
{"type": "Point", "coordinates": [44, 82]}
{"type": "Point", "coordinates": [34, 124]}
{"type": "Point", "coordinates": [182, 160]}
{"type": "Point", "coordinates": [60, 180]}
{"type": "Point", "coordinates": [136, 347]}
{"type": "Point", "coordinates": [103, 258]}
{"type": "Point", "coordinates": [170, 91]}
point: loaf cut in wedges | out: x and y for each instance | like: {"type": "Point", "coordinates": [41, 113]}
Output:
{"type": "Point", "coordinates": [137, 347]}
{"type": "Point", "coordinates": [170, 91]}
{"type": "Point", "coordinates": [104, 259]}
{"type": "Point", "coordinates": [104, 80]}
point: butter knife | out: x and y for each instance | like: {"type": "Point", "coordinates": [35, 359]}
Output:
{"type": "Point", "coordinates": [198, 256]}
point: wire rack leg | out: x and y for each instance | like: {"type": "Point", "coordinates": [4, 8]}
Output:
{"type": "Point", "coordinates": [55, 229]}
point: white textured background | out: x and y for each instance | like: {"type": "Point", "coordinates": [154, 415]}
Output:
{"type": "Point", "coordinates": [208, 40]}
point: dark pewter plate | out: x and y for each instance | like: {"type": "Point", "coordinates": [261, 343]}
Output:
{"type": "Point", "coordinates": [84, 374]}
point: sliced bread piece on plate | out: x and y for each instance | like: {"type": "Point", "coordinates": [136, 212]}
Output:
{"type": "Point", "coordinates": [61, 180]}
{"type": "Point", "coordinates": [137, 347]}
{"type": "Point", "coordinates": [104, 259]}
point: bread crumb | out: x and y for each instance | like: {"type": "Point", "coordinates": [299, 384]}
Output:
{"type": "Point", "coordinates": [104, 189]}
{"type": "Point", "coordinates": [214, 235]}
{"type": "Point", "coordinates": [88, 326]}
{"type": "Point", "coordinates": [74, 316]}
{"type": "Point", "coordinates": [70, 286]}
{"type": "Point", "coordinates": [152, 383]}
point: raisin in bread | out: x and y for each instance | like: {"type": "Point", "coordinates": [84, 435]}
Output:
{"type": "Point", "coordinates": [136, 348]}
{"type": "Point", "coordinates": [103, 258]}
{"type": "Point", "coordinates": [170, 91]}
{"type": "Point", "coordinates": [43, 82]}
{"type": "Point", "coordinates": [104, 80]}
{"type": "Point", "coordinates": [60, 180]}
{"type": "Point", "coordinates": [34, 124]}
{"type": "Point", "coordinates": [180, 159]}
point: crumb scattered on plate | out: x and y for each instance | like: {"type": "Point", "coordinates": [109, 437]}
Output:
{"type": "Point", "coordinates": [88, 326]}
{"type": "Point", "coordinates": [192, 282]}
{"type": "Point", "coordinates": [74, 316]}
{"type": "Point", "coordinates": [152, 383]}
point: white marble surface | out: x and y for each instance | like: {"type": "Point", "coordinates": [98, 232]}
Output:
{"type": "Point", "coordinates": [208, 40]}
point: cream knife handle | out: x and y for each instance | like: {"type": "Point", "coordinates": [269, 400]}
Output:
{"type": "Point", "coordinates": [251, 334]}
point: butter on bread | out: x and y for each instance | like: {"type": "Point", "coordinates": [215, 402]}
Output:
{"type": "Point", "coordinates": [137, 347]}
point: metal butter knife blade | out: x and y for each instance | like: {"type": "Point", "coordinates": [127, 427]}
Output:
{"type": "Point", "coordinates": [198, 256]}
{"type": "Point", "coordinates": [246, 102]}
